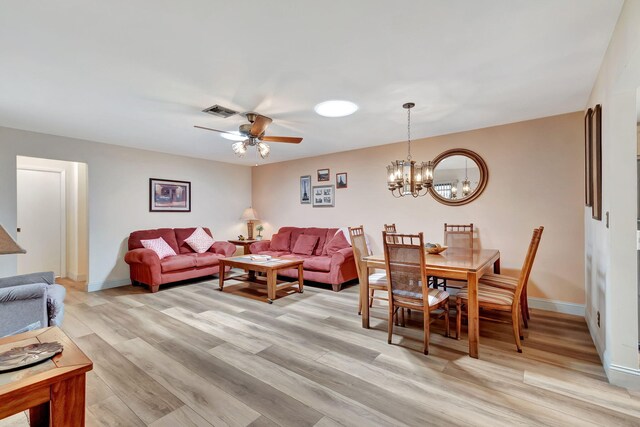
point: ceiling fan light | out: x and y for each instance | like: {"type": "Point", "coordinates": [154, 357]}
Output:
{"type": "Point", "coordinates": [263, 150]}
{"type": "Point", "coordinates": [233, 136]}
{"type": "Point", "coordinates": [336, 108]}
{"type": "Point", "coordinates": [240, 148]}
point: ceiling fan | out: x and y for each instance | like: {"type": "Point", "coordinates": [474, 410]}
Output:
{"type": "Point", "coordinates": [254, 134]}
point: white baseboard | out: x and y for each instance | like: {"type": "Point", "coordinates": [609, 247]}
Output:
{"type": "Point", "coordinates": [98, 286]}
{"type": "Point", "coordinates": [557, 306]}
{"type": "Point", "coordinates": [623, 376]}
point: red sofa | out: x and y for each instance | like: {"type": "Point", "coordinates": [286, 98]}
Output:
{"type": "Point", "coordinates": [148, 269]}
{"type": "Point", "coordinates": [318, 267]}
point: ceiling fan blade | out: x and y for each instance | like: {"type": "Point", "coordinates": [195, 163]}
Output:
{"type": "Point", "coordinates": [287, 139]}
{"type": "Point", "coordinates": [215, 130]}
{"type": "Point", "coordinates": [260, 125]}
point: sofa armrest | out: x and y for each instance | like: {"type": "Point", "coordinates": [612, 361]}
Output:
{"type": "Point", "coordinates": [23, 292]}
{"type": "Point", "coordinates": [27, 279]}
{"type": "Point", "coordinates": [224, 248]}
{"type": "Point", "coordinates": [261, 246]}
{"type": "Point", "coordinates": [340, 257]}
{"type": "Point", "coordinates": [142, 256]}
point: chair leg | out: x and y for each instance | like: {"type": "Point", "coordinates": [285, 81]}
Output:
{"type": "Point", "coordinates": [526, 303]}
{"type": "Point", "coordinates": [458, 317]}
{"type": "Point", "coordinates": [359, 306]}
{"type": "Point", "coordinates": [390, 327]}
{"type": "Point", "coordinates": [427, 321]}
{"type": "Point", "coordinates": [523, 310]}
{"type": "Point", "coordinates": [515, 314]}
{"type": "Point", "coordinates": [444, 284]}
{"type": "Point", "coordinates": [446, 320]}
{"type": "Point", "coordinates": [520, 325]}
{"type": "Point", "coordinates": [371, 298]}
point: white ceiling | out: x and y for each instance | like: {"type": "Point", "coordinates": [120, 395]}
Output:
{"type": "Point", "coordinates": [137, 73]}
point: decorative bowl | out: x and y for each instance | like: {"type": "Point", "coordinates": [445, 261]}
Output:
{"type": "Point", "coordinates": [436, 250]}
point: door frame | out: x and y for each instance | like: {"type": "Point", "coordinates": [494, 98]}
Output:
{"type": "Point", "coordinates": [63, 206]}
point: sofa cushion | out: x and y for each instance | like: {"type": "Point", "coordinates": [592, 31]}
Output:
{"type": "Point", "coordinates": [337, 242]}
{"type": "Point", "coordinates": [177, 262]}
{"type": "Point", "coordinates": [167, 234]}
{"type": "Point", "coordinates": [159, 246]}
{"type": "Point", "coordinates": [306, 244]}
{"type": "Point", "coordinates": [317, 263]}
{"type": "Point", "coordinates": [280, 241]}
{"type": "Point", "coordinates": [321, 233]}
{"type": "Point", "coordinates": [200, 241]}
{"type": "Point", "coordinates": [296, 256]}
{"type": "Point", "coordinates": [183, 234]}
{"type": "Point", "coordinates": [295, 233]}
{"type": "Point", "coordinates": [207, 259]}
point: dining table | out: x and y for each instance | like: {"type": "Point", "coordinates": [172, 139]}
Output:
{"type": "Point", "coordinates": [462, 264]}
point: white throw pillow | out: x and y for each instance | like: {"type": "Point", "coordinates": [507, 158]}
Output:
{"type": "Point", "coordinates": [199, 241]}
{"type": "Point", "coordinates": [159, 246]}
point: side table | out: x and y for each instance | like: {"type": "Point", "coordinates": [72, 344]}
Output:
{"type": "Point", "coordinates": [244, 243]}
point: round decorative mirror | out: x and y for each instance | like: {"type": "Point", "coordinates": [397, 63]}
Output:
{"type": "Point", "coordinates": [459, 176]}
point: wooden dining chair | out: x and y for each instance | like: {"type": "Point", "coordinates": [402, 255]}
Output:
{"type": "Point", "coordinates": [377, 281]}
{"type": "Point", "coordinates": [407, 282]}
{"type": "Point", "coordinates": [455, 236]}
{"type": "Point", "coordinates": [510, 283]}
{"type": "Point", "coordinates": [500, 299]}
{"type": "Point", "coordinates": [390, 228]}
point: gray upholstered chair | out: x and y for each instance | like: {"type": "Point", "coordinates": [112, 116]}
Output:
{"type": "Point", "coordinates": [30, 301]}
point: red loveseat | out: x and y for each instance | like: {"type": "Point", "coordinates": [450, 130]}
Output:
{"type": "Point", "coordinates": [334, 269]}
{"type": "Point", "coordinates": [148, 269]}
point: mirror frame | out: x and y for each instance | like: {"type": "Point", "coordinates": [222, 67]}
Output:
{"type": "Point", "coordinates": [484, 176]}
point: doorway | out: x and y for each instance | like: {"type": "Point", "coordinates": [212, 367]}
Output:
{"type": "Point", "coordinates": [52, 217]}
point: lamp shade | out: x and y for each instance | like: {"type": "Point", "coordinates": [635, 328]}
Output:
{"type": "Point", "coordinates": [249, 214]}
{"type": "Point", "coordinates": [8, 245]}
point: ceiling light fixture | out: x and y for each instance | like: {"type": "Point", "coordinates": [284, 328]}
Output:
{"type": "Point", "coordinates": [406, 177]}
{"type": "Point", "coordinates": [336, 108]}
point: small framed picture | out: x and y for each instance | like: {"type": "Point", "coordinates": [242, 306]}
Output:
{"type": "Point", "coordinates": [323, 175]}
{"type": "Point", "coordinates": [341, 180]}
{"type": "Point", "coordinates": [305, 189]}
{"type": "Point", "coordinates": [323, 196]}
{"type": "Point", "coordinates": [166, 195]}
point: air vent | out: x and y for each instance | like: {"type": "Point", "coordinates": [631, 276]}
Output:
{"type": "Point", "coordinates": [220, 111]}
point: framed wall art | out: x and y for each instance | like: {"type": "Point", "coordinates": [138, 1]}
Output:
{"type": "Point", "coordinates": [341, 180]}
{"type": "Point", "coordinates": [166, 195]}
{"type": "Point", "coordinates": [305, 189]}
{"type": "Point", "coordinates": [596, 164]}
{"type": "Point", "coordinates": [323, 175]}
{"type": "Point", "coordinates": [324, 196]}
{"type": "Point", "coordinates": [588, 133]}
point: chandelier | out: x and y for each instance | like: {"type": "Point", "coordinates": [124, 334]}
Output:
{"type": "Point", "coordinates": [407, 177]}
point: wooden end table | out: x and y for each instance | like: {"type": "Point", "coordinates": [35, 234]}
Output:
{"type": "Point", "coordinates": [53, 391]}
{"type": "Point", "coordinates": [244, 243]}
{"type": "Point", "coordinates": [269, 268]}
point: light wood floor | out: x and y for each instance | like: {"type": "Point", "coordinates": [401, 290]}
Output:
{"type": "Point", "coordinates": [191, 355]}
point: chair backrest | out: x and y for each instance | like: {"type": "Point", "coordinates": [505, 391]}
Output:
{"type": "Point", "coordinates": [360, 250]}
{"type": "Point", "coordinates": [528, 263]}
{"type": "Point", "coordinates": [406, 272]}
{"type": "Point", "coordinates": [390, 228]}
{"type": "Point", "coordinates": [458, 235]}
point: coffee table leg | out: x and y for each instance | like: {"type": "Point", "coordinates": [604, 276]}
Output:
{"type": "Point", "coordinates": [221, 276]}
{"type": "Point", "coordinates": [300, 279]}
{"type": "Point", "coordinates": [68, 402]}
{"type": "Point", "coordinates": [272, 277]}
{"type": "Point", "coordinates": [39, 415]}
{"type": "Point", "coordinates": [496, 266]}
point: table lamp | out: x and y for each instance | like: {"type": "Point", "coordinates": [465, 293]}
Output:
{"type": "Point", "coordinates": [249, 215]}
{"type": "Point", "coordinates": [8, 245]}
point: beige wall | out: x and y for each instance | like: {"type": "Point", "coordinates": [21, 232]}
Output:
{"type": "Point", "coordinates": [610, 253]}
{"type": "Point", "coordinates": [536, 178]}
{"type": "Point", "coordinates": [118, 195]}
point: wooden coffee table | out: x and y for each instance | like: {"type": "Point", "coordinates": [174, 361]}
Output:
{"type": "Point", "coordinates": [269, 268]}
{"type": "Point", "coordinates": [53, 391]}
